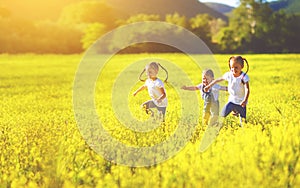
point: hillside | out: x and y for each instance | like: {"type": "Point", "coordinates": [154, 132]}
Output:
{"type": "Point", "coordinates": [51, 10]}
{"type": "Point", "coordinates": [222, 8]}
{"type": "Point", "coordinates": [189, 8]}
{"type": "Point", "coordinates": [289, 6]}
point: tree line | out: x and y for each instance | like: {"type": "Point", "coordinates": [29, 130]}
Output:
{"type": "Point", "coordinates": [253, 28]}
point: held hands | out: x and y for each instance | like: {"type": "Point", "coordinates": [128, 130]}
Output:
{"type": "Point", "coordinates": [206, 88]}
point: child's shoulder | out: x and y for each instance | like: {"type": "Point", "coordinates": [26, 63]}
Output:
{"type": "Point", "coordinates": [200, 86]}
{"type": "Point", "coordinates": [245, 77]}
{"type": "Point", "coordinates": [158, 82]}
{"type": "Point", "coordinates": [226, 75]}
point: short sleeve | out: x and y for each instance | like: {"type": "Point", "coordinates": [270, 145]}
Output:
{"type": "Point", "coordinates": [200, 86]}
{"type": "Point", "coordinates": [146, 83]}
{"type": "Point", "coordinates": [226, 76]}
{"type": "Point", "coordinates": [159, 84]}
{"type": "Point", "coordinates": [246, 78]}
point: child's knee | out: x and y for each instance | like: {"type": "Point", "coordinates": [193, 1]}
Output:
{"type": "Point", "coordinates": [206, 115]}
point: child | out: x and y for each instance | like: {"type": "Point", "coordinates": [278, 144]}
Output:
{"type": "Point", "coordinates": [211, 102]}
{"type": "Point", "coordinates": [238, 87]}
{"type": "Point", "coordinates": [156, 91]}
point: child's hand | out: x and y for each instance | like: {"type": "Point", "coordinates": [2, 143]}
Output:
{"type": "Point", "coordinates": [134, 94]}
{"type": "Point", "coordinates": [243, 103]}
{"type": "Point", "coordinates": [183, 87]}
{"type": "Point", "coordinates": [206, 89]}
{"type": "Point", "coordinates": [158, 101]}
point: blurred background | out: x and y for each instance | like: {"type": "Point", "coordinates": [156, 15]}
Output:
{"type": "Point", "coordinates": [72, 26]}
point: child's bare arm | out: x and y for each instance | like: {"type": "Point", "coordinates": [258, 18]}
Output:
{"type": "Point", "coordinates": [213, 83]}
{"type": "Point", "coordinates": [224, 88]}
{"type": "Point", "coordinates": [163, 95]}
{"type": "Point", "coordinates": [139, 89]}
{"type": "Point", "coordinates": [190, 88]}
{"type": "Point", "coordinates": [247, 93]}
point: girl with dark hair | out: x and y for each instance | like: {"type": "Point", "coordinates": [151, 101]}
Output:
{"type": "Point", "coordinates": [238, 87]}
{"type": "Point", "coordinates": [156, 90]}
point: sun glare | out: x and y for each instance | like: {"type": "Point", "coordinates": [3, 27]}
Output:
{"type": "Point", "coordinates": [36, 9]}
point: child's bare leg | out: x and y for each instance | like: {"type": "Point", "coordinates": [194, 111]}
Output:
{"type": "Point", "coordinates": [162, 113]}
{"type": "Point", "coordinates": [146, 106]}
{"type": "Point", "coordinates": [206, 117]}
{"type": "Point", "coordinates": [162, 116]}
{"type": "Point", "coordinates": [242, 121]}
{"type": "Point", "coordinates": [242, 115]}
{"type": "Point", "coordinates": [214, 120]}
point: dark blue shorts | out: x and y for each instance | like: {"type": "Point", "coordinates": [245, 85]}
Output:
{"type": "Point", "coordinates": [229, 107]}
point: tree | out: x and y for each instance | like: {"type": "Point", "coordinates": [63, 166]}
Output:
{"type": "Point", "coordinates": [91, 34]}
{"type": "Point", "coordinates": [248, 27]}
{"type": "Point", "coordinates": [86, 12]}
{"type": "Point", "coordinates": [139, 18]}
{"type": "Point", "coordinates": [176, 19]}
{"type": "Point", "coordinates": [200, 25]}
{"type": "Point", "coordinates": [227, 40]}
{"type": "Point", "coordinates": [215, 26]}
{"type": "Point", "coordinates": [51, 37]}
{"type": "Point", "coordinates": [283, 34]}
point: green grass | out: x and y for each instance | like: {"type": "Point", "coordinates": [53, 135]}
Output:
{"type": "Point", "coordinates": [41, 146]}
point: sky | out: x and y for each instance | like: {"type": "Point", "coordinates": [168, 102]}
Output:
{"type": "Point", "coordinates": [233, 3]}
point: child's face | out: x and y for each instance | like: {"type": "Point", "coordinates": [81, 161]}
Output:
{"type": "Point", "coordinates": [235, 68]}
{"type": "Point", "coordinates": [151, 73]}
{"type": "Point", "coordinates": [206, 79]}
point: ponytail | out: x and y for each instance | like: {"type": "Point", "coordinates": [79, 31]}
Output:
{"type": "Point", "coordinates": [246, 70]}
{"type": "Point", "coordinates": [241, 60]}
{"type": "Point", "coordinates": [144, 70]}
{"type": "Point", "coordinates": [167, 74]}
{"type": "Point", "coordinates": [140, 77]}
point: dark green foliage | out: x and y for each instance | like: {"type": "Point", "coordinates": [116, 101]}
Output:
{"type": "Point", "coordinates": [255, 28]}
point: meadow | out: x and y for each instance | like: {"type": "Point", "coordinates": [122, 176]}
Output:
{"type": "Point", "coordinates": [42, 145]}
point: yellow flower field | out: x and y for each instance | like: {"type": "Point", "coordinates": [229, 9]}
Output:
{"type": "Point", "coordinates": [42, 144]}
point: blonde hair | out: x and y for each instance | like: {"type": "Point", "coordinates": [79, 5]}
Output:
{"type": "Point", "coordinates": [208, 72]}
{"type": "Point", "coordinates": [152, 65]}
{"type": "Point", "coordinates": [155, 66]}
